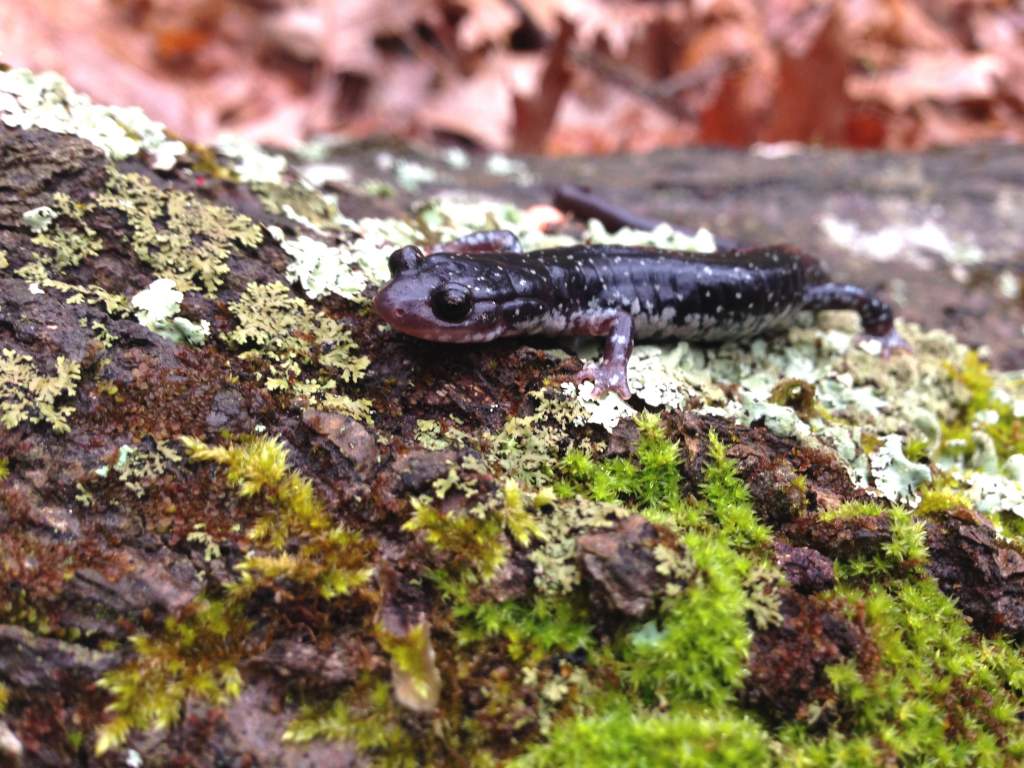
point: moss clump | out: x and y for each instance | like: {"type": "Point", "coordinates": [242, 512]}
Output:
{"type": "Point", "coordinates": [474, 537]}
{"type": "Point", "coordinates": [196, 656]}
{"type": "Point", "coordinates": [367, 717]}
{"type": "Point", "coordinates": [680, 739]}
{"type": "Point", "coordinates": [686, 665]}
{"type": "Point", "coordinates": [651, 482]}
{"type": "Point", "coordinates": [28, 396]}
{"type": "Point", "coordinates": [697, 651]}
{"type": "Point", "coordinates": [937, 695]}
{"type": "Point", "coordinates": [730, 500]}
{"type": "Point", "coordinates": [288, 334]}
{"type": "Point", "coordinates": [905, 550]}
{"type": "Point", "coordinates": [331, 558]}
{"type": "Point", "coordinates": [176, 233]}
{"type": "Point", "coordinates": [532, 629]}
{"type": "Point", "coordinates": [415, 679]}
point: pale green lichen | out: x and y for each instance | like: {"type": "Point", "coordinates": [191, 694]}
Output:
{"type": "Point", "coordinates": [45, 100]}
{"type": "Point", "coordinates": [288, 335]}
{"type": "Point", "coordinates": [138, 468]}
{"type": "Point", "coordinates": [68, 242]}
{"type": "Point", "coordinates": [410, 174]}
{"type": "Point", "coordinates": [896, 477]}
{"type": "Point", "coordinates": [39, 219]}
{"type": "Point", "coordinates": [321, 269]}
{"type": "Point", "coordinates": [157, 309]}
{"type": "Point", "coordinates": [554, 557]}
{"type": "Point", "coordinates": [250, 162]}
{"type": "Point", "coordinates": [113, 304]}
{"type": "Point", "coordinates": [916, 242]}
{"type": "Point", "coordinates": [180, 236]}
{"type": "Point", "coordinates": [28, 396]}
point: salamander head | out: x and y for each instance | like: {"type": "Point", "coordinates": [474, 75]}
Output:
{"type": "Point", "coordinates": [449, 297]}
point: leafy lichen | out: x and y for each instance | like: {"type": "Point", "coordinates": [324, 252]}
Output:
{"type": "Point", "coordinates": [65, 234]}
{"type": "Point", "coordinates": [45, 100]}
{"type": "Point", "coordinates": [287, 334]}
{"type": "Point", "coordinates": [176, 233]}
{"type": "Point", "coordinates": [28, 396]}
{"type": "Point", "coordinates": [156, 307]}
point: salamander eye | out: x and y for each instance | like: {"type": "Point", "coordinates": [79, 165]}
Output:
{"type": "Point", "coordinates": [451, 303]}
{"type": "Point", "coordinates": [404, 258]}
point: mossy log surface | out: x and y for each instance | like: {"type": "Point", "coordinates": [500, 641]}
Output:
{"type": "Point", "coordinates": [262, 529]}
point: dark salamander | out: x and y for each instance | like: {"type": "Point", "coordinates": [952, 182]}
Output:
{"type": "Point", "coordinates": [469, 292]}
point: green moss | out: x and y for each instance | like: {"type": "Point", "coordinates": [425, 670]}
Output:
{"type": "Point", "coordinates": [197, 653]}
{"type": "Point", "coordinates": [697, 650]}
{"type": "Point", "coordinates": [5, 468]}
{"type": "Point", "coordinates": [195, 656]}
{"type": "Point", "coordinates": [415, 678]}
{"type": "Point", "coordinates": [473, 536]}
{"type": "Point", "coordinates": [28, 396]}
{"type": "Point", "coordinates": [178, 234]}
{"type": "Point", "coordinates": [906, 549]}
{"type": "Point", "coordinates": [5, 696]}
{"type": "Point", "coordinates": [681, 739]}
{"type": "Point", "coordinates": [937, 500]}
{"type": "Point", "coordinates": [938, 695]}
{"type": "Point", "coordinates": [651, 482]}
{"type": "Point", "coordinates": [331, 558]}
{"type": "Point", "coordinates": [532, 629]}
{"type": "Point", "coordinates": [366, 717]}
{"type": "Point", "coordinates": [730, 500]}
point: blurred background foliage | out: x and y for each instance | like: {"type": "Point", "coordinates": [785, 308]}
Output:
{"type": "Point", "coordinates": [550, 76]}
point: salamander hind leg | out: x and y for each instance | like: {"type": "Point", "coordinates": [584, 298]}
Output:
{"type": "Point", "coordinates": [610, 373]}
{"type": "Point", "coordinates": [875, 315]}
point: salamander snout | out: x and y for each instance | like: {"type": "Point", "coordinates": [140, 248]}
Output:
{"type": "Point", "coordinates": [436, 310]}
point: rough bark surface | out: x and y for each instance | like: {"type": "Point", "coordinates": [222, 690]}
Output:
{"type": "Point", "coordinates": [93, 558]}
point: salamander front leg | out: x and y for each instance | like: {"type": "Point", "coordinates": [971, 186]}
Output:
{"type": "Point", "coordinates": [484, 241]}
{"type": "Point", "coordinates": [875, 314]}
{"type": "Point", "coordinates": [610, 373]}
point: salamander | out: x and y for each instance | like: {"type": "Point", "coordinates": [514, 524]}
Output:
{"type": "Point", "coordinates": [484, 286]}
